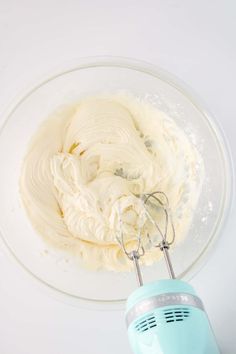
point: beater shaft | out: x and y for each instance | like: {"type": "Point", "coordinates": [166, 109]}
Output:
{"type": "Point", "coordinates": [164, 247]}
{"type": "Point", "coordinates": [135, 258]}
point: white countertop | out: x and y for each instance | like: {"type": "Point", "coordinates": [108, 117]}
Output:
{"type": "Point", "coordinates": [195, 40]}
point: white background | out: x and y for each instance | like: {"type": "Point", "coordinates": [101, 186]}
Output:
{"type": "Point", "coordinates": [194, 40]}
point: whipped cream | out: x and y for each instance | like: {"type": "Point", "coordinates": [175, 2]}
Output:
{"type": "Point", "coordinates": [86, 167]}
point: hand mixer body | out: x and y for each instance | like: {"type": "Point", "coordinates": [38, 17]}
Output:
{"type": "Point", "coordinates": [166, 317]}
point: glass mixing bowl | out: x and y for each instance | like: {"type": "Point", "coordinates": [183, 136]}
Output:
{"type": "Point", "coordinates": [110, 75]}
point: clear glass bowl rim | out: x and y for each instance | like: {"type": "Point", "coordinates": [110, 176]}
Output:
{"type": "Point", "coordinates": [154, 70]}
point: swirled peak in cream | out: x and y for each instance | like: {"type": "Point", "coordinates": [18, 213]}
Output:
{"type": "Point", "coordinates": [88, 163]}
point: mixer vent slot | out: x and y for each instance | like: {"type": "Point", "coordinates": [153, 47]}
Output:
{"type": "Point", "coordinates": [176, 315]}
{"type": "Point", "coordinates": [168, 315]}
{"type": "Point", "coordinates": [146, 323]}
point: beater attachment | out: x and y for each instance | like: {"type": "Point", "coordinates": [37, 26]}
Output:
{"type": "Point", "coordinates": [159, 200]}
{"type": "Point", "coordinates": [135, 253]}
{"type": "Point", "coordinates": [156, 201]}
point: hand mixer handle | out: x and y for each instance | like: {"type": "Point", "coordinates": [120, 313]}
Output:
{"type": "Point", "coordinates": [168, 317]}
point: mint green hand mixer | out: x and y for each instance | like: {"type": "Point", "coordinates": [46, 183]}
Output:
{"type": "Point", "coordinates": [165, 317]}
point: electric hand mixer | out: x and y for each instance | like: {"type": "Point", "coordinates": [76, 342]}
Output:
{"type": "Point", "coordinates": [165, 317]}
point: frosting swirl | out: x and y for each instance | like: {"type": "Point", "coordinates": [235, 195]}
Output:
{"type": "Point", "coordinates": [88, 164]}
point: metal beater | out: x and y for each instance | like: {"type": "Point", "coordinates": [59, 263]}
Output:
{"type": "Point", "coordinates": [161, 199]}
